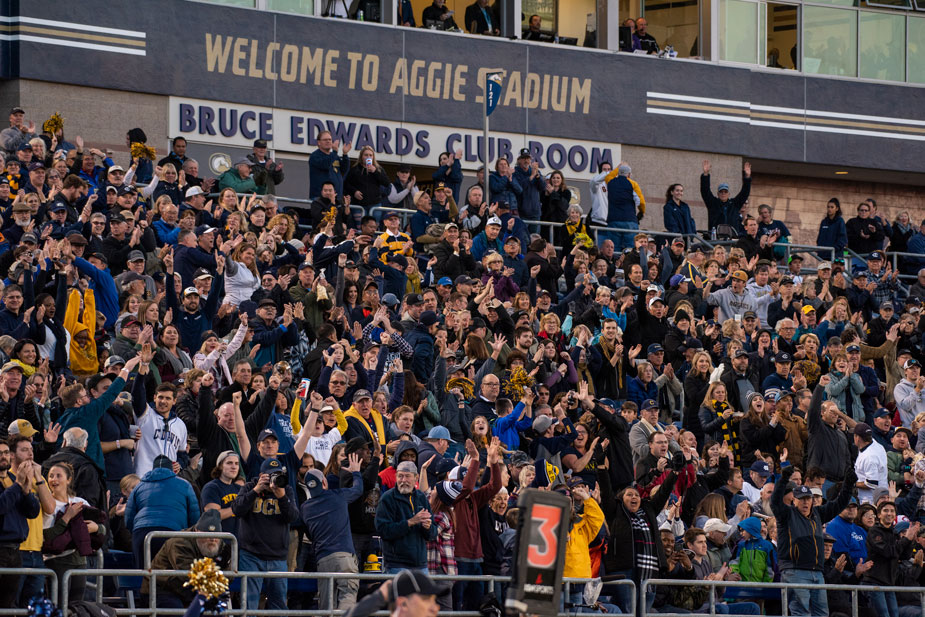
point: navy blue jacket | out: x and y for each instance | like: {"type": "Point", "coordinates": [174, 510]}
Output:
{"type": "Point", "coordinates": [16, 508]}
{"type": "Point", "coordinates": [326, 168]}
{"type": "Point", "coordinates": [326, 514]}
{"type": "Point", "coordinates": [532, 191]}
{"type": "Point", "coordinates": [678, 218]}
{"type": "Point", "coordinates": [451, 176]}
{"type": "Point", "coordinates": [188, 259]}
{"type": "Point", "coordinates": [833, 232]}
{"type": "Point", "coordinates": [403, 546]}
{"type": "Point", "coordinates": [503, 189]}
{"type": "Point", "coordinates": [422, 364]}
{"type": "Point", "coordinates": [192, 325]}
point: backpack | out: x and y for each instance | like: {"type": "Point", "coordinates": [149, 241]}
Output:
{"type": "Point", "coordinates": [82, 608]}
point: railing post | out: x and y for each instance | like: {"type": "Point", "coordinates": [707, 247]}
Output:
{"type": "Point", "coordinates": [783, 601]}
{"type": "Point", "coordinates": [65, 587]}
{"type": "Point", "coordinates": [854, 603]}
{"type": "Point", "coordinates": [712, 599]}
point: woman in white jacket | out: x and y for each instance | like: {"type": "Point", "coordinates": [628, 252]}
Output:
{"type": "Point", "coordinates": [241, 277]}
{"type": "Point", "coordinates": [213, 355]}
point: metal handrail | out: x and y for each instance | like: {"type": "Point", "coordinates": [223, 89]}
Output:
{"type": "Point", "coordinates": [784, 587]}
{"type": "Point", "coordinates": [243, 610]}
{"type": "Point", "coordinates": [43, 572]}
{"type": "Point", "coordinates": [198, 535]}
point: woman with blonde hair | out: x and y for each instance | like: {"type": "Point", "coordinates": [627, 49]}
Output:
{"type": "Point", "coordinates": [242, 278]}
{"type": "Point", "coordinates": [712, 506]}
{"type": "Point", "coordinates": [718, 420]}
{"type": "Point", "coordinates": [696, 385]}
{"type": "Point", "coordinates": [366, 180]}
{"type": "Point", "coordinates": [282, 226]}
{"type": "Point", "coordinates": [213, 354]}
{"type": "Point", "coordinates": [551, 329]}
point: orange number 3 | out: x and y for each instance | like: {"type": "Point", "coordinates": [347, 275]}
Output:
{"type": "Point", "coordinates": [544, 555]}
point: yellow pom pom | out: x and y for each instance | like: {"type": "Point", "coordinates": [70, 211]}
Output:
{"type": "Point", "coordinates": [464, 384]}
{"type": "Point", "coordinates": [205, 578]}
{"type": "Point", "coordinates": [53, 124]}
{"type": "Point", "coordinates": [143, 151]}
{"type": "Point", "coordinates": [516, 383]}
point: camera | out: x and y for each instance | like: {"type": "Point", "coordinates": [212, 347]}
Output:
{"type": "Point", "coordinates": [279, 479]}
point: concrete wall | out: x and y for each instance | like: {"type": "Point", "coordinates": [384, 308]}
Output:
{"type": "Point", "coordinates": [102, 117]}
{"type": "Point", "coordinates": [655, 169]}
{"type": "Point", "coordinates": [800, 202]}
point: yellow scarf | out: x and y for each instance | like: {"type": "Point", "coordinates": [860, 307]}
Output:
{"type": "Point", "coordinates": [377, 419]}
{"type": "Point", "coordinates": [27, 370]}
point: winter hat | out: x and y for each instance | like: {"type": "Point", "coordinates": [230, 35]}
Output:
{"type": "Point", "coordinates": [448, 491]}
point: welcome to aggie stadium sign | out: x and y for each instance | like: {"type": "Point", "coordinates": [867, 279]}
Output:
{"type": "Point", "coordinates": [272, 60]}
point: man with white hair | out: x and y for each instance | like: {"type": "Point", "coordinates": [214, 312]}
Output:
{"type": "Point", "coordinates": [88, 476]}
{"type": "Point", "coordinates": [404, 522]}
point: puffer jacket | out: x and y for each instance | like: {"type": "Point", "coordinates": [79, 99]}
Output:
{"type": "Point", "coordinates": [162, 499]}
{"type": "Point", "coordinates": [886, 549]}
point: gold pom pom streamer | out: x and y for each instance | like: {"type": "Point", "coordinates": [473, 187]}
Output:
{"type": "Point", "coordinates": [205, 578]}
{"type": "Point", "coordinates": [515, 384]}
{"type": "Point", "coordinates": [330, 216]}
{"type": "Point", "coordinates": [464, 384]}
{"type": "Point", "coordinates": [53, 124]}
{"type": "Point", "coordinates": [583, 239]}
{"type": "Point", "coordinates": [143, 151]}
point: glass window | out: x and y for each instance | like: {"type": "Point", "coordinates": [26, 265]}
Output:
{"type": "Point", "coordinates": [882, 38]}
{"type": "Point", "coordinates": [738, 31]}
{"type": "Point", "coordinates": [830, 37]}
{"type": "Point", "coordinates": [916, 50]}
{"type": "Point", "coordinates": [902, 4]}
{"type": "Point", "coordinates": [674, 23]}
{"type": "Point", "coordinates": [246, 3]}
{"type": "Point", "coordinates": [781, 40]}
{"type": "Point", "coordinates": [302, 7]}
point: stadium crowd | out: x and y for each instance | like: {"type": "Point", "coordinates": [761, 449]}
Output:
{"type": "Point", "coordinates": [713, 412]}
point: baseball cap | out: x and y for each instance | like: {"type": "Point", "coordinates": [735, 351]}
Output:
{"type": "Point", "coordinates": [656, 299]}
{"type": "Point", "coordinates": [361, 394]}
{"type": "Point", "coordinates": [266, 434]}
{"type": "Point", "coordinates": [886, 304]}
{"type": "Point", "coordinates": [882, 413]}
{"type": "Point", "coordinates": [129, 322]}
{"type": "Point", "coordinates": [25, 146]}
{"type": "Point", "coordinates": [266, 302]}
{"type": "Point", "coordinates": [399, 260]}
{"type": "Point", "coordinates": [862, 429]}
{"type": "Point", "coordinates": [390, 214]}
{"type": "Point", "coordinates": [37, 165]}
{"type": "Point", "coordinates": [802, 492]}
{"type": "Point", "coordinates": [193, 191]}
{"type": "Point", "coordinates": [783, 357]}
{"type": "Point", "coordinates": [189, 291]}
{"type": "Point", "coordinates": [740, 275]}
{"type": "Point", "coordinates": [113, 361]}
{"type": "Point", "coordinates": [162, 461]}
{"type": "Point", "coordinates": [655, 348]}
{"type": "Point", "coordinates": [824, 265]}
{"type": "Point", "coordinates": [428, 318]}
{"type": "Point", "coordinates": [243, 161]}
{"type": "Point", "coordinates": [494, 221]}
{"type": "Point", "coordinates": [852, 349]}
{"type": "Point", "coordinates": [714, 524]}
{"type": "Point", "coordinates": [17, 110]}
{"type": "Point", "coordinates": [740, 353]}
{"type": "Point", "coordinates": [30, 238]}
{"type": "Point", "coordinates": [410, 582]}
{"type": "Point", "coordinates": [260, 143]}
{"type": "Point", "coordinates": [541, 424]}
{"type": "Point", "coordinates": [462, 279]}
{"type": "Point", "coordinates": [136, 256]}
{"type": "Point", "coordinates": [808, 309]}
{"type": "Point", "coordinates": [390, 299]}
{"type": "Point", "coordinates": [750, 315]}
{"type": "Point", "coordinates": [201, 273]}
{"type": "Point", "coordinates": [761, 468]}
{"type": "Point", "coordinates": [21, 427]}
{"type": "Point", "coordinates": [910, 363]}
{"type": "Point", "coordinates": [413, 299]}
{"type": "Point", "coordinates": [782, 394]}
{"type": "Point", "coordinates": [649, 404]}
{"type": "Point", "coordinates": [271, 465]}
{"type": "Point", "coordinates": [722, 187]}
{"type": "Point", "coordinates": [440, 432]}
{"type": "Point", "coordinates": [875, 255]}
{"type": "Point", "coordinates": [205, 229]}
{"type": "Point", "coordinates": [445, 281]}
{"type": "Point", "coordinates": [314, 479]}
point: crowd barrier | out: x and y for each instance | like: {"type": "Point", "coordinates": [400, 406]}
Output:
{"type": "Point", "coordinates": [241, 579]}
{"type": "Point", "coordinates": [855, 591]}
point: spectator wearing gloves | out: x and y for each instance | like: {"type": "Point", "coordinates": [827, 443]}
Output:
{"type": "Point", "coordinates": [265, 510]}
{"type": "Point", "coordinates": [403, 520]}
{"type": "Point", "coordinates": [161, 502]}
{"type": "Point", "coordinates": [323, 514]}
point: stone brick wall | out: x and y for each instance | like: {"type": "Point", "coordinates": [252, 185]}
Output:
{"type": "Point", "coordinates": [800, 202]}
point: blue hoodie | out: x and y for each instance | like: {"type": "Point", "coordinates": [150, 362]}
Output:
{"type": "Point", "coordinates": [849, 538]}
{"type": "Point", "coordinates": [162, 499]}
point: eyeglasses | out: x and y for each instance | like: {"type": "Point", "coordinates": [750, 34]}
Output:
{"type": "Point", "coordinates": [338, 383]}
